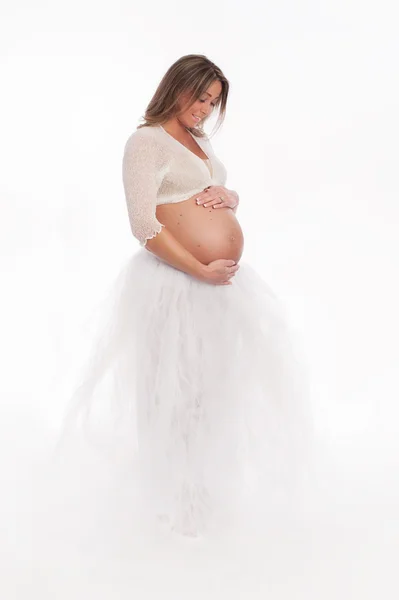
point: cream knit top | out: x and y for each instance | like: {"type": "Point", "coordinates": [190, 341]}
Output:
{"type": "Point", "coordinates": [158, 169]}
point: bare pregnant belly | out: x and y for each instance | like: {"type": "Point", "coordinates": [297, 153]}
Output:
{"type": "Point", "coordinates": [208, 233]}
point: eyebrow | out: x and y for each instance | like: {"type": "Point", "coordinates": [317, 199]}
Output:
{"type": "Point", "coordinates": [216, 97]}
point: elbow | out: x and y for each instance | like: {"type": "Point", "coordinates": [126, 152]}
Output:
{"type": "Point", "coordinates": [150, 237]}
{"type": "Point", "coordinates": [143, 233]}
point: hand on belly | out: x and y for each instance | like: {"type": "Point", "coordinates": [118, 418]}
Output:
{"type": "Point", "coordinates": [208, 233]}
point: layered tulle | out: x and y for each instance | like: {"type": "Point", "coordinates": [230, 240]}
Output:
{"type": "Point", "coordinates": [207, 401]}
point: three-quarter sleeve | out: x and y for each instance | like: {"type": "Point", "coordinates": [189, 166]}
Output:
{"type": "Point", "coordinates": [140, 173]}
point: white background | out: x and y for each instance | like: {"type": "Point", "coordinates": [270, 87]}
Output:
{"type": "Point", "coordinates": [310, 142]}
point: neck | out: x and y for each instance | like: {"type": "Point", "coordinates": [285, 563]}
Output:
{"type": "Point", "coordinates": [176, 128]}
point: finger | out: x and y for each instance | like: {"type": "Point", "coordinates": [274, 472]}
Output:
{"type": "Point", "coordinates": [219, 202]}
{"type": "Point", "coordinates": [202, 196]}
{"type": "Point", "coordinates": [211, 202]}
{"type": "Point", "coordinates": [201, 201]}
{"type": "Point", "coordinates": [211, 199]}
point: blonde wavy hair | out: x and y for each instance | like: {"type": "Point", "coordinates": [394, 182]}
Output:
{"type": "Point", "coordinates": [191, 74]}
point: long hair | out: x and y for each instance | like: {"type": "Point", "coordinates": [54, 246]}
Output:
{"type": "Point", "coordinates": [191, 74]}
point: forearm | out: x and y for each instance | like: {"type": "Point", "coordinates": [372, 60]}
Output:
{"type": "Point", "coordinates": [167, 248]}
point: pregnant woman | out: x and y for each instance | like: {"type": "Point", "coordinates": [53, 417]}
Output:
{"type": "Point", "coordinates": [208, 389]}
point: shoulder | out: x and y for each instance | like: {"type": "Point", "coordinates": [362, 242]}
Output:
{"type": "Point", "coordinates": [145, 148]}
{"type": "Point", "coordinates": [143, 138]}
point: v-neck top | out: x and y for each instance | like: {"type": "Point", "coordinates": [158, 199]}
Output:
{"type": "Point", "coordinates": [158, 169]}
{"type": "Point", "coordinates": [208, 164]}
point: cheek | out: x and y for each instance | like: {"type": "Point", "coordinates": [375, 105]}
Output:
{"type": "Point", "coordinates": [194, 108]}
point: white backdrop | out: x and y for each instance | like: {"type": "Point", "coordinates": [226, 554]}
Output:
{"type": "Point", "coordinates": [310, 144]}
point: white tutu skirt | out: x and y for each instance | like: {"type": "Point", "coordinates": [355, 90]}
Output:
{"type": "Point", "coordinates": [206, 393]}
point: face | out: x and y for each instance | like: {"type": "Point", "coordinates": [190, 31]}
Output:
{"type": "Point", "coordinates": [201, 107]}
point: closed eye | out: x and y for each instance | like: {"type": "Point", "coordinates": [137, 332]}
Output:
{"type": "Point", "coordinates": [211, 103]}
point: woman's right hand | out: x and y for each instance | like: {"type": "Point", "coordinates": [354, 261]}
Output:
{"type": "Point", "coordinates": [219, 272]}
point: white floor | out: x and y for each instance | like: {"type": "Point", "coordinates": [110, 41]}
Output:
{"type": "Point", "coordinates": [56, 544]}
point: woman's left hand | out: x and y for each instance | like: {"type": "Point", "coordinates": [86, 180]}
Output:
{"type": "Point", "coordinates": [217, 196]}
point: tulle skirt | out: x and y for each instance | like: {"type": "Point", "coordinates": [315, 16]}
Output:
{"type": "Point", "coordinates": [200, 390]}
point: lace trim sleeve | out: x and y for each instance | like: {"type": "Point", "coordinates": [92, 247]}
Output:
{"type": "Point", "coordinates": [140, 166]}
